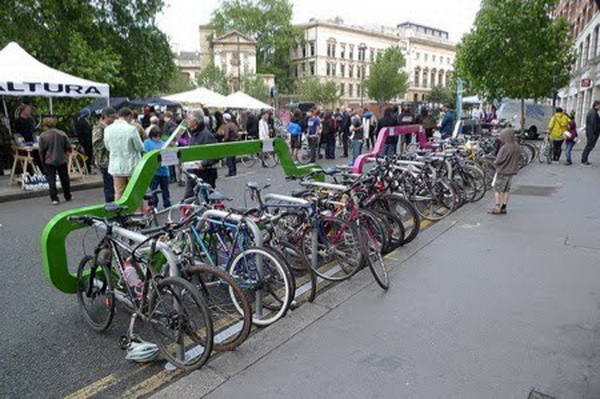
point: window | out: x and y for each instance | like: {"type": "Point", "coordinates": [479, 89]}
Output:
{"type": "Point", "coordinates": [448, 60]}
{"type": "Point", "coordinates": [595, 42]}
{"type": "Point", "coordinates": [303, 51]}
{"type": "Point", "coordinates": [425, 56]}
{"type": "Point", "coordinates": [303, 67]}
{"type": "Point", "coordinates": [587, 48]}
{"type": "Point", "coordinates": [343, 51]}
{"type": "Point", "coordinates": [328, 69]}
{"type": "Point", "coordinates": [342, 89]}
{"type": "Point", "coordinates": [417, 55]}
{"type": "Point", "coordinates": [333, 50]}
{"type": "Point", "coordinates": [312, 67]}
{"type": "Point", "coordinates": [359, 90]}
{"type": "Point", "coordinates": [433, 79]}
{"type": "Point", "coordinates": [433, 58]}
{"type": "Point", "coordinates": [358, 70]}
{"type": "Point", "coordinates": [416, 97]}
{"type": "Point", "coordinates": [351, 53]}
{"type": "Point", "coordinates": [425, 74]}
{"type": "Point", "coordinates": [343, 70]}
{"type": "Point", "coordinates": [350, 90]}
{"type": "Point", "coordinates": [312, 49]}
{"type": "Point", "coordinates": [417, 74]}
{"type": "Point", "coordinates": [423, 97]}
{"type": "Point", "coordinates": [362, 53]}
{"type": "Point", "coordinates": [351, 71]}
{"type": "Point", "coordinates": [333, 68]}
{"type": "Point", "coordinates": [372, 54]}
{"type": "Point", "coordinates": [296, 71]}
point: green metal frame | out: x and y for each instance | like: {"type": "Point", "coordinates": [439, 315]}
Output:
{"type": "Point", "coordinates": [54, 236]}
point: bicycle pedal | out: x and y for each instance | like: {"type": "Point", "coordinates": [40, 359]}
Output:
{"type": "Point", "coordinates": [124, 342]}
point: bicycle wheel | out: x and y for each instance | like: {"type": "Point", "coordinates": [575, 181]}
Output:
{"type": "Point", "coordinates": [266, 283]}
{"type": "Point", "coordinates": [436, 201]}
{"type": "Point", "coordinates": [477, 180]}
{"type": "Point", "coordinates": [95, 293]}
{"type": "Point", "coordinates": [248, 160]}
{"type": "Point", "coordinates": [377, 226]}
{"type": "Point", "coordinates": [181, 323]}
{"type": "Point", "coordinates": [395, 229]}
{"type": "Point", "coordinates": [373, 256]}
{"type": "Point", "coordinates": [301, 271]}
{"type": "Point", "coordinates": [269, 159]}
{"type": "Point", "coordinates": [405, 210]}
{"type": "Point", "coordinates": [223, 296]}
{"type": "Point", "coordinates": [304, 156]}
{"type": "Point", "coordinates": [338, 252]}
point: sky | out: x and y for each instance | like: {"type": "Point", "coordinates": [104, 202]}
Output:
{"type": "Point", "coordinates": [180, 18]}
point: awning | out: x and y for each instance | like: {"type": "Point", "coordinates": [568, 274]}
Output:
{"type": "Point", "coordinates": [115, 102]}
{"type": "Point", "coordinates": [200, 95]}
{"type": "Point", "coordinates": [241, 100]}
{"type": "Point", "coordinates": [153, 102]}
{"type": "Point", "coordinates": [23, 75]}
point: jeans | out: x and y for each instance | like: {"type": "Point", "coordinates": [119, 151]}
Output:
{"type": "Point", "coordinates": [556, 149]}
{"type": "Point", "coordinates": [591, 143]}
{"type": "Point", "coordinates": [163, 183]}
{"type": "Point", "coordinates": [231, 166]}
{"type": "Point", "coordinates": [356, 150]}
{"type": "Point", "coordinates": [330, 148]}
{"type": "Point", "coordinates": [313, 145]}
{"type": "Point", "coordinates": [390, 149]}
{"type": "Point", "coordinates": [345, 136]}
{"type": "Point", "coordinates": [63, 175]}
{"type": "Point", "coordinates": [109, 185]}
{"type": "Point", "coordinates": [568, 149]}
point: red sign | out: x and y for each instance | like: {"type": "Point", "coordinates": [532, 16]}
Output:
{"type": "Point", "coordinates": [586, 82]}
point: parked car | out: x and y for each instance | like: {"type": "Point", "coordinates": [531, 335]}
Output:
{"type": "Point", "coordinates": [537, 116]}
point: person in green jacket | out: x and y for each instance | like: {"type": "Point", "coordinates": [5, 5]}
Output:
{"type": "Point", "coordinates": [559, 124]}
{"type": "Point", "coordinates": [125, 148]}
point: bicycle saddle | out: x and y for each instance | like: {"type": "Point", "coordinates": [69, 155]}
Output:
{"type": "Point", "coordinates": [148, 196]}
{"type": "Point", "coordinates": [114, 207]}
{"type": "Point", "coordinates": [257, 186]}
{"type": "Point", "coordinates": [216, 196]}
{"type": "Point", "coordinates": [300, 193]}
{"type": "Point", "coordinates": [332, 170]}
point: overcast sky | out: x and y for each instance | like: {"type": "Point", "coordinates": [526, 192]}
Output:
{"type": "Point", "coordinates": [180, 18]}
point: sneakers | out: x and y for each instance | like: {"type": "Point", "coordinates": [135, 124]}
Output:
{"type": "Point", "coordinates": [55, 202]}
{"type": "Point", "coordinates": [586, 163]}
{"type": "Point", "coordinates": [497, 211]}
{"type": "Point", "coordinates": [568, 163]}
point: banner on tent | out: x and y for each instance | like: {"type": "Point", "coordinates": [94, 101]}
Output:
{"type": "Point", "coordinates": [52, 89]}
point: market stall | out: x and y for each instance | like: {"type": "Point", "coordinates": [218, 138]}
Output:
{"type": "Point", "coordinates": [198, 96]}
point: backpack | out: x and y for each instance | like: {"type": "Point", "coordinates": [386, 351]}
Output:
{"type": "Point", "coordinates": [294, 129]}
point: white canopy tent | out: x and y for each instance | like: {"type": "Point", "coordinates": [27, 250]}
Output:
{"type": "Point", "coordinates": [472, 100]}
{"type": "Point", "coordinates": [241, 100]}
{"type": "Point", "coordinates": [200, 95]}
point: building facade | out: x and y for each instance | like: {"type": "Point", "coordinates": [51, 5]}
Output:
{"type": "Point", "coordinates": [189, 65]}
{"type": "Point", "coordinates": [344, 54]}
{"type": "Point", "coordinates": [584, 87]}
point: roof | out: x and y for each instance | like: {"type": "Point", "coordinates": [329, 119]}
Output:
{"type": "Point", "coordinates": [233, 33]}
{"type": "Point", "coordinates": [348, 28]}
{"type": "Point", "coordinates": [23, 75]}
{"type": "Point", "coordinates": [188, 55]}
{"type": "Point", "coordinates": [422, 26]}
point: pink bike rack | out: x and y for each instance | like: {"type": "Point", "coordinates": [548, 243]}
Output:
{"type": "Point", "coordinates": [386, 132]}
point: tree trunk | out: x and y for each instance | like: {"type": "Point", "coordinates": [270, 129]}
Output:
{"type": "Point", "coordinates": [522, 116]}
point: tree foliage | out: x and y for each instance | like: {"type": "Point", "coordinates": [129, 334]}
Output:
{"type": "Point", "coordinates": [111, 41]}
{"type": "Point", "coordinates": [516, 50]}
{"type": "Point", "coordinates": [387, 79]}
{"type": "Point", "coordinates": [179, 84]}
{"type": "Point", "coordinates": [214, 79]}
{"type": "Point", "coordinates": [440, 95]}
{"type": "Point", "coordinates": [324, 93]}
{"type": "Point", "coordinates": [255, 87]}
{"type": "Point", "coordinates": [269, 22]}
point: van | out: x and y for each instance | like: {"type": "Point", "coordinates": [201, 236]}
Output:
{"type": "Point", "coordinates": [537, 116]}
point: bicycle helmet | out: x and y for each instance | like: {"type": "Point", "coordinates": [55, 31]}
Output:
{"type": "Point", "coordinates": [142, 352]}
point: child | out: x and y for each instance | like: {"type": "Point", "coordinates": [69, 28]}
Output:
{"type": "Point", "coordinates": [161, 178]}
{"type": "Point", "coordinates": [507, 165]}
{"type": "Point", "coordinates": [571, 138]}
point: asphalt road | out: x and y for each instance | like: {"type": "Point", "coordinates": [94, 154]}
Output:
{"type": "Point", "coordinates": [45, 346]}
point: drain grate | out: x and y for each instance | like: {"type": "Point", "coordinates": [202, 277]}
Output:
{"type": "Point", "coordinates": [535, 191]}
{"type": "Point", "coordinates": [538, 395]}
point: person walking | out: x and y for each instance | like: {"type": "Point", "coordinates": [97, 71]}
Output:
{"type": "Point", "coordinates": [313, 128]}
{"type": "Point", "coordinates": [592, 131]}
{"type": "Point", "coordinates": [329, 134]}
{"type": "Point", "coordinates": [570, 138]}
{"type": "Point", "coordinates": [507, 165]}
{"type": "Point", "coordinates": [230, 134]}
{"type": "Point", "coordinates": [356, 136]}
{"type": "Point", "coordinates": [295, 130]}
{"type": "Point", "coordinates": [391, 142]}
{"type": "Point", "coordinates": [345, 128]}
{"type": "Point", "coordinates": [366, 123]}
{"type": "Point", "coordinates": [447, 125]}
{"type": "Point", "coordinates": [161, 177]}
{"type": "Point", "coordinates": [54, 151]}
{"type": "Point", "coordinates": [101, 155]}
{"type": "Point", "coordinates": [125, 146]}
{"type": "Point", "coordinates": [200, 135]}
{"type": "Point", "coordinates": [559, 124]}
{"type": "Point", "coordinates": [83, 129]}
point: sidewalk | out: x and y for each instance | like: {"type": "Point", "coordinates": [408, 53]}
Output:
{"type": "Point", "coordinates": [480, 306]}
{"type": "Point", "coordinates": [14, 191]}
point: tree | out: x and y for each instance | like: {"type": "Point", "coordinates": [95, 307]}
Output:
{"type": "Point", "coordinates": [312, 89]}
{"type": "Point", "coordinates": [269, 22]}
{"type": "Point", "coordinates": [214, 79]}
{"type": "Point", "coordinates": [179, 84]}
{"type": "Point", "coordinates": [256, 87]}
{"type": "Point", "coordinates": [111, 41]}
{"type": "Point", "coordinates": [516, 50]}
{"type": "Point", "coordinates": [440, 95]}
{"type": "Point", "coordinates": [387, 79]}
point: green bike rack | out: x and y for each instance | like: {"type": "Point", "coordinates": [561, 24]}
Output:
{"type": "Point", "coordinates": [54, 236]}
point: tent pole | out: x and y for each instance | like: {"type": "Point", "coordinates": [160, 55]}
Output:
{"type": "Point", "coordinates": [50, 101]}
{"type": "Point", "coordinates": [108, 101]}
{"type": "Point", "coordinates": [6, 113]}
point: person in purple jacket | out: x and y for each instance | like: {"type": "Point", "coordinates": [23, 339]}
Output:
{"type": "Point", "coordinates": [571, 138]}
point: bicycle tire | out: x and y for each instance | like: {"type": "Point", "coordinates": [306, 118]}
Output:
{"type": "Point", "coordinates": [299, 264]}
{"type": "Point", "coordinates": [248, 160]}
{"type": "Point", "coordinates": [269, 159]}
{"type": "Point", "coordinates": [304, 156]}
{"type": "Point", "coordinates": [478, 181]}
{"type": "Point", "coordinates": [378, 226]}
{"type": "Point", "coordinates": [395, 229]}
{"type": "Point", "coordinates": [217, 288]}
{"type": "Point", "coordinates": [178, 320]}
{"type": "Point", "coordinates": [374, 259]}
{"type": "Point", "coordinates": [244, 275]}
{"type": "Point", "coordinates": [106, 287]}
{"type": "Point", "coordinates": [405, 210]}
{"type": "Point", "coordinates": [440, 199]}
